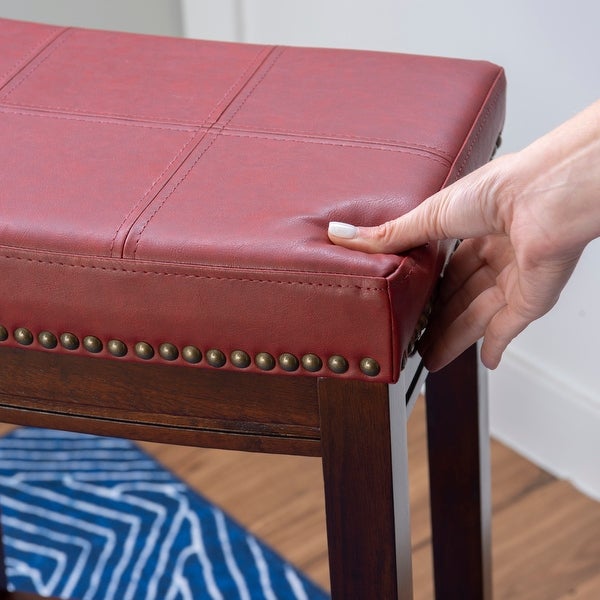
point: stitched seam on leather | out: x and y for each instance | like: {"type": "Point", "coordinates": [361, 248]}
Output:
{"type": "Point", "coordinates": [137, 204]}
{"type": "Point", "coordinates": [246, 74]}
{"type": "Point", "coordinates": [277, 51]}
{"type": "Point", "coordinates": [415, 151]}
{"type": "Point", "coordinates": [252, 66]}
{"type": "Point", "coordinates": [395, 358]}
{"type": "Point", "coordinates": [141, 232]}
{"type": "Point", "coordinates": [344, 136]}
{"type": "Point", "coordinates": [196, 276]}
{"type": "Point", "coordinates": [60, 40]}
{"type": "Point", "coordinates": [203, 152]}
{"type": "Point", "coordinates": [75, 111]}
{"type": "Point", "coordinates": [486, 114]}
{"type": "Point", "coordinates": [26, 60]}
{"type": "Point", "coordinates": [92, 119]}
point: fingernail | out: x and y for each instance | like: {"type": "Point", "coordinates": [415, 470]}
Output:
{"type": "Point", "coordinates": [342, 230]}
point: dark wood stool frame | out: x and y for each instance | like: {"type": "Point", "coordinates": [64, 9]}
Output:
{"type": "Point", "coordinates": [358, 428]}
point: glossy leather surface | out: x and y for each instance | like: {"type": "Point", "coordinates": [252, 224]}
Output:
{"type": "Point", "coordinates": [166, 190]}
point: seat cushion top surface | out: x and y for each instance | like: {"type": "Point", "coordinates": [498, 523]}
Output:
{"type": "Point", "coordinates": [179, 191]}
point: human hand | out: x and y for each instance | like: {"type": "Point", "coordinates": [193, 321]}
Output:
{"type": "Point", "coordinates": [525, 219]}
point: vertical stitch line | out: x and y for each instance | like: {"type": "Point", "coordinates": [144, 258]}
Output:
{"type": "Point", "coordinates": [280, 50]}
{"type": "Point", "coordinates": [26, 60]}
{"type": "Point", "coordinates": [490, 100]}
{"type": "Point", "coordinates": [207, 123]}
{"type": "Point", "coordinates": [58, 41]}
{"type": "Point", "coordinates": [215, 132]}
{"type": "Point", "coordinates": [137, 204]}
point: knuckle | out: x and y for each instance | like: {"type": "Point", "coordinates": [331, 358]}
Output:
{"type": "Point", "coordinates": [384, 234]}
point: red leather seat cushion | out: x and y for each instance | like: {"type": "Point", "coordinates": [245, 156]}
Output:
{"type": "Point", "coordinates": [178, 191]}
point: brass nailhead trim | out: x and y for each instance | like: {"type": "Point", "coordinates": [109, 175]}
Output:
{"type": "Point", "coordinates": [240, 359]}
{"type": "Point", "coordinates": [47, 339]}
{"type": "Point", "coordinates": [337, 364]}
{"type": "Point", "coordinates": [265, 361]}
{"type": "Point", "coordinates": [370, 367]}
{"type": "Point", "coordinates": [117, 348]}
{"type": "Point", "coordinates": [288, 362]}
{"type": "Point", "coordinates": [168, 351]}
{"type": "Point", "coordinates": [69, 341]}
{"type": "Point", "coordinates": [92, 344]}
{"type": "Point", "coordinates": [191, 354]}
{"type": "Point", "coordinates": [215, 358]}
{"type": "Point", "coordinates": [144, 350]}
{"type": "Point", "coordinates": [312, 363]}
{"type": "Point", "coordinates": [23, 336]}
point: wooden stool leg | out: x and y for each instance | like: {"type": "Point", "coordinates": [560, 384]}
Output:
{"type": "Point", "coordinates": [459, 475]}
{"type": "Point", "coordinates": [363, 429]}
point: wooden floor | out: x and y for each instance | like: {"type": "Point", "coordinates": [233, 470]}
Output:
{"type": "Point", "coordinates": [546, 534]}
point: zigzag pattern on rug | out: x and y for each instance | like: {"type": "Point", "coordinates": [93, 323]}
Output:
{"type": "Point", "coordinates": [97, 518]}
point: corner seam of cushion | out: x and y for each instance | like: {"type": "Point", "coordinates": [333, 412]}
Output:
{"type": "Point", "coordinates": [394, 346]}
{"type": "Point", "coordinates": [488, 103]}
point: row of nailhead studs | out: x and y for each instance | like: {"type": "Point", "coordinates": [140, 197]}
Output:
{"type": "Point", "coordinates": [191, 354]}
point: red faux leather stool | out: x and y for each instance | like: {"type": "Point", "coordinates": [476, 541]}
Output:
{"type": "Point", "coordinates": [166, 273]}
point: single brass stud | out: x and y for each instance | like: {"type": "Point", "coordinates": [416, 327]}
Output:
{"type": "Point", "coordinates": [288, 362]}
{"type": "Point", "coordinates": [3, 333]}
{"type": "Point", "coordinates": [264, 361]}
{"type": "Point", "coordinates": [370, 367]}
{"type": "Point", "coordinates": [69, 341]}
{"type": "Point", "coordinates": [47, 339]}
{"type": "Point", "coordinates": [92, 344]}
{"type": "Point", "coordinates": [337, 364]}
{"type": "Point", "coordinates": [240, 359]}
{"type": "Point", "coordinates": [117, 348]}
{"type": "Point", "coordinates": [144, 350]}
{"type": "Point", "coordinates": [191, 354]}
{"type": "Point", "coordinates": [23, 336]}
{"type": "Point", "coordinates": [312, 363]}
{"type": "Point", "coordinates": [215, 358]}
{"type": "Point", "coordinates": [168, 351]}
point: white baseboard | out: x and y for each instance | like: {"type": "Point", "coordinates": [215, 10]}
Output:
{"type": "Point", "coordinates": [547, 420]}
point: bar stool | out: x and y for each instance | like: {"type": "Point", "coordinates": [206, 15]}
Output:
{"type": "Point", "coordinates": [166, 273]}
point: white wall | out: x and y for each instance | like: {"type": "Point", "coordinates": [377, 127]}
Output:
{"type": "Point", "coordinates": [545, 397]}
{"type": "Point", "coordinates": [141, 16]}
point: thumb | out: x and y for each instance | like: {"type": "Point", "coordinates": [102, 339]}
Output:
{"type": "Point", "coordinates": [462, 210]}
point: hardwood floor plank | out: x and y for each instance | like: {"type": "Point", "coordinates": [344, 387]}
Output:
{"type": "Point", "coordinates": [546, 543]}
{"type": "Point", "coordinates": [585, 590]}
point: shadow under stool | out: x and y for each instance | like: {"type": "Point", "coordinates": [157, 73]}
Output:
{"type": "Point", "coordinates": [166, 273]}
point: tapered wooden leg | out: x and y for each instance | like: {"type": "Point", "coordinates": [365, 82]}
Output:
{"type": "Point", "coordinates": [363, 429]}
{"type": "Point", "coordinates": [459, 475]}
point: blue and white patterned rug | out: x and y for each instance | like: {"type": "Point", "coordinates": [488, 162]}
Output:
{"type": "Point", "coordinates": [98, 519]}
